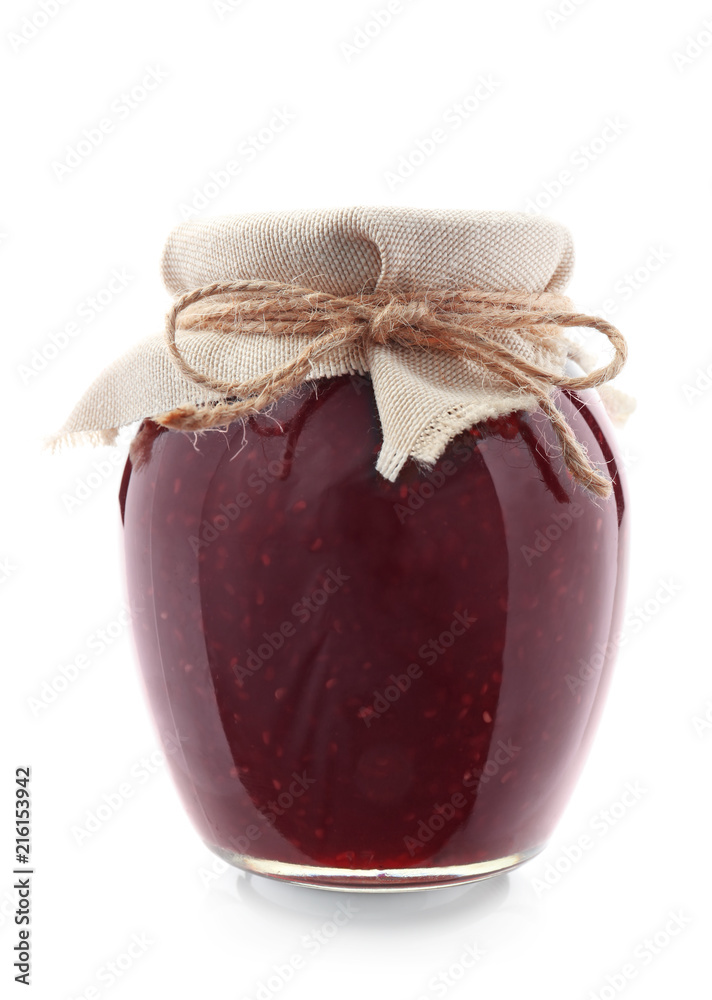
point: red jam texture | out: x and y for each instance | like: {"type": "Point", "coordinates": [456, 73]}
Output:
{"type": "Point", "coordinates": [358, 674]}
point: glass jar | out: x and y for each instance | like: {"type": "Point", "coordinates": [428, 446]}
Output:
{"type": "Point", "coordinates": [367, 684]}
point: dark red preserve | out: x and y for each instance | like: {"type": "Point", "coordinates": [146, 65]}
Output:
{"type": "Point", "coordinates": [373, 684]}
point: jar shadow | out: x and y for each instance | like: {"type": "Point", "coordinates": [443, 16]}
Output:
{"type": "Point", "coordinates": [473, 900]}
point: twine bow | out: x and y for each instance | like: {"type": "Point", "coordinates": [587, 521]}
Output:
{"type": "Point", "coordinates": [464, 324]}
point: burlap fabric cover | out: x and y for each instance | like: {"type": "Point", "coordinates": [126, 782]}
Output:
{"type": "Point", "coordinates": [423, 400]}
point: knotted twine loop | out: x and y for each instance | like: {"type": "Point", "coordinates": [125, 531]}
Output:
{"type": "Point", "coordinates": [455, 323]}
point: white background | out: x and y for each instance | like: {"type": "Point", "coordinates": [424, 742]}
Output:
{"type": "Point", "coordinates": [637, 204]}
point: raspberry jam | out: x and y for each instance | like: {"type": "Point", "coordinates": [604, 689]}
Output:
{"type": "Point", "coordinates": [364, 683]}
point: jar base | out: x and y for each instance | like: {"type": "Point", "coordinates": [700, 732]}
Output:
{"type": "Point", "coordinates": [375, 879]}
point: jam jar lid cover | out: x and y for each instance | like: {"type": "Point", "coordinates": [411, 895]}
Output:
{"type": "Point", "coordinates": [423, 399]}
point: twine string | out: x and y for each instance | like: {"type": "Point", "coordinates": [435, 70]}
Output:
{"type": "Point", "coordinates": [464, 324]}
